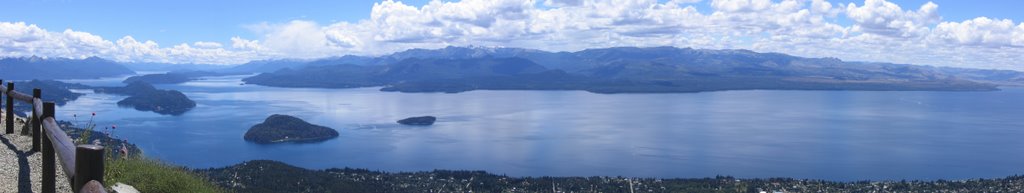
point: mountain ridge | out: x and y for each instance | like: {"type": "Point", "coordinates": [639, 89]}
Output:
{"type": "Point", "coordinates": [629, 70]}
{"type": "Point", "coordinates": [613, 61]}
{"type": "Point", "coordinates": [34, 67]}
{"type": "Point", "coordinates": [586, 59]}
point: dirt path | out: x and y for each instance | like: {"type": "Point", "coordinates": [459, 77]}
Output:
{"type": "Point", "coordinates": [20, 167]}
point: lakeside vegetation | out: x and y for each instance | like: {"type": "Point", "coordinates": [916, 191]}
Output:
{"type": "Point", "coordinates": [149, 175]}
{"type": "Point", "coordinates": [131, 167]}
{"type": "Point", "coordinates": [272, 176]}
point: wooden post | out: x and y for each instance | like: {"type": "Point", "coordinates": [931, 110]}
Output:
{"type": "Point", "coordinates": [88, 165]}
{"type": "Point", "coordinates": [2, 95]}
{"type": "Point", "coordinates": [10, 108]}
{"type": "Point", "coordinates": [36, 127]}
{"type": "Point", "coordinates": [49, 157]}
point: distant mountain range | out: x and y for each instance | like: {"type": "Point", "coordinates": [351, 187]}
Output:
{"type": "Point", "coordinates": [621, 69]}
{"type": "Point", "coordinates": [29, 68]}
{"type": "Point", "coordinates": [604, 70]}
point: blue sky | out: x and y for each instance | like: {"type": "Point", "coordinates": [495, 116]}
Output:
{"type": "Point", "coordinates": [179, 21]}
{"type": "Point", "coordinates": [279, 29]}
{"type": "Point", "coordinates": [186, 21]}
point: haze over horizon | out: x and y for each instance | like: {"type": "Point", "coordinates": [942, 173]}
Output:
{"type": "Point", "coordinates": [960, 34]}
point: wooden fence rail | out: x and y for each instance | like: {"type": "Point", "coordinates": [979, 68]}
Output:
{"type": "Point", "coordinates": [83, 164]}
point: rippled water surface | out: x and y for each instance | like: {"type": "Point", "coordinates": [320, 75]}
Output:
{"type": "Point", "coordinates": [838, 135]}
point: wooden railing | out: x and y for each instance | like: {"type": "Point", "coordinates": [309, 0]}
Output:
{"type": "Point", "coordinates": [83, 164]}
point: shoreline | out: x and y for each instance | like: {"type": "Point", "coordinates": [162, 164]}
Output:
{"type": "Point", "coordinates": [264, 176]}
{"type": "Point", "coordinates": [608, 176]}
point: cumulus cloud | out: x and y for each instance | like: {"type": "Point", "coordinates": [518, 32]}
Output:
{"type": "Point", "coordinates": [879, 31]}
{"type": "Point", "coordinates": [886, 18]}
{"type": "Point", "coordinates": [130, 49]}
{"type": "Point", "coordinates": [982, 31]}
{"type": "Point", "coordinates": [21, 39]}
{"type": "Point", "coordinates": [24, 39]}
{"type": "Point", "coordinates": [301, 39]}
{"type": "Point", "coordinates": [244, 44]}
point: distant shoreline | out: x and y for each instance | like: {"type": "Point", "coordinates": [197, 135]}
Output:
{"type": "Point", "coordinates": [388, 89]}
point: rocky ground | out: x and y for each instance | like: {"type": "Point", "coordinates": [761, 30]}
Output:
{"type": "Point", "coordinates": [20, 167]}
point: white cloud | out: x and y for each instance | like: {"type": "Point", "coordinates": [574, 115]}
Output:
{"type": "Point", "coordinates": [821, 6]}
{"type": "Point", "coordinates": [20, 32]}
{"type": "Point", "coordinates": [300, 39]}
{"type": "Point", "coordinates": [20, 39]}
{"type": "Point", "coordinates": [982, 31]}
{"type": "Point", "coordinates": [880, 31]}
{"type": "Point", "coordinates": [208, 45]}
{"type": "Point", "coordinates": [886, 18]}
{"type": "Point", "coordinates": [563, 3]}
{"type": "Point", "coordinates": [130, 49]}
{"type": "Point", "coordinates": [684, 1]}
{"type": "Point", "coordinates": [740, 5]}
{"type": "Point", "coordinates": [244, 44]}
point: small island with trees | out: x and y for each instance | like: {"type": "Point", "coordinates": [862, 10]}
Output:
{"type": "Point", "coordinates": [423, 121]}
{"type": "Point", "coordinates": [177, 77]}
{"type": "Point", "coordinates": [145, 97]}
{"type": "Point", "coordinates": [283, 128]}
{"type": "Point", "coordinates": [167, 78]}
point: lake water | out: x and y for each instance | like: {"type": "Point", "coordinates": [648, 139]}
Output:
{"type": "Point", "coordinates": [836, 135]}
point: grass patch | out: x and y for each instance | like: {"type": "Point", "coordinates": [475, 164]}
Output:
{"type": "Point", "coordinates": [149, 175]}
